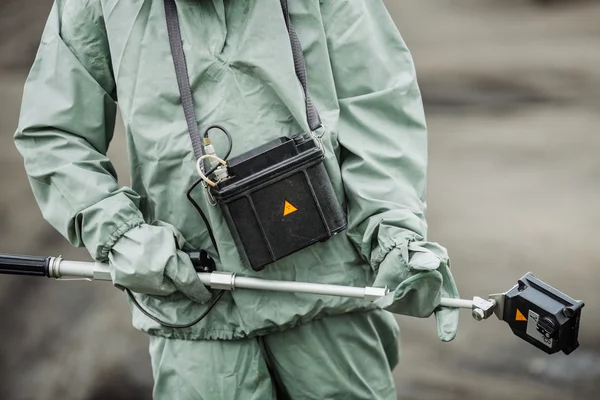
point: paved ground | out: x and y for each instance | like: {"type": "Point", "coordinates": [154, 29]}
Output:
{"type": "Point", "coordinates": [512, 93]}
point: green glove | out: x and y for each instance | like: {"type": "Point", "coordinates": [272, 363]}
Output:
{"type": "Point", "coordinates": [147, 260]}
{"type": "Point", "coordinates": [419, 284]}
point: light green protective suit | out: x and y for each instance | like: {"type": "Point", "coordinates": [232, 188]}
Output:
{"type": "Point", "coordinates": [362, 80]}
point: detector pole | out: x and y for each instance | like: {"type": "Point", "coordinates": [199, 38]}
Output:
{"type": "Point", "coordinates": [56, 267]}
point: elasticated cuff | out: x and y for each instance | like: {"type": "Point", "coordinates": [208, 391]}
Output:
{"type": "Point", "coordinates": [106, 222]}
{"type": "Point", "coordinates": [118, 234]}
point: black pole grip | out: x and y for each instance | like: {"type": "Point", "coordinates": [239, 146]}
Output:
{"type": "Point", "coordinates": [202, 261]}
{"type": "Point", "coordinates": [24, 265]}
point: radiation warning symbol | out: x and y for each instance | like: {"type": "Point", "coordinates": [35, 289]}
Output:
{"type": "Point", "coordinates": [288, 208]}
{"type": "Point", "coordinates": [520, 316]}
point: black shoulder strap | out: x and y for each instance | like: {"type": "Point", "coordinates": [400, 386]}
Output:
{"type": "Point", "coordinates": [183, 79]}
{"type": "Point", "coordinates": [312, 115]}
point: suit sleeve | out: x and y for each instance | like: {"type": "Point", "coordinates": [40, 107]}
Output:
{"type": "Point", "coordinates": [382, 130]}
{"type": "Point", "coordinates": [65, 126]}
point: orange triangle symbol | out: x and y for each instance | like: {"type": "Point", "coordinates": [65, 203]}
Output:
{"type": "Point", "coordinates": [288, 208]}
{"type": "Point", "coordinates": [520, 316]}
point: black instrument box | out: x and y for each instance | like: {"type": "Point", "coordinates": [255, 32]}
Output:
{"type": "Point", "coordinates": [279, 199]}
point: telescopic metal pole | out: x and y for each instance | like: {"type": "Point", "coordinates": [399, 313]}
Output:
{"type": "Point", "coordinates": [56, 267]}
{"type": "Point", "coordinates": [229, 281]}
{"type": "Point", "coordinates": [62, 269]}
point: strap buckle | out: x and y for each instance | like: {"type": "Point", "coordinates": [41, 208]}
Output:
{"type": "Point", "coordinates": [319, 131]}
{"type": "Point", "coordinates": [317, 135]}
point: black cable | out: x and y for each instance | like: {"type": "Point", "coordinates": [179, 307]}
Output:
{"type": "Point", "coordinates": [195, 185]}
{"type": "Point", "coordinates": [229, 141]}
{"type": "Point", "coordinates": [225, 131]}
{"type": "Point", "coordinates": [204, 218]}
{"type": "Point", "coordinates": [174, 326]}
{"type": "Point", "coordinates": [215, 300]}
{"type": "Point", "coordinates": [212, 239]}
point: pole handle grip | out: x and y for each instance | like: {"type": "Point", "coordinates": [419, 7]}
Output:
{"type": "Point", "coordinates": [202, 261]}
{"type": "Point", "coordinates": [24, 265]}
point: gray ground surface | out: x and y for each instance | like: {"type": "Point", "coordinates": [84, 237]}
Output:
{"type": "Point", "coordinates": [512, 93]}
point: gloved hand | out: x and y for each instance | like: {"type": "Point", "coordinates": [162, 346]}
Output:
{"type": "Point", "coordinates": [418, 276]}
{"type": "Point", "coordinates": [147, 260]}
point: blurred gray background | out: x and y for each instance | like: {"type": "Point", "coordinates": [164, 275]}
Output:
{"type": "Point", "coordinates": [512, 93]}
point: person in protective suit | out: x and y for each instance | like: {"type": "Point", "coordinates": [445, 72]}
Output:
{"type": "Point", "coordinates": [253, 344]}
